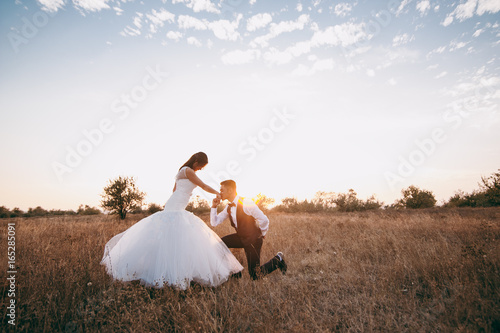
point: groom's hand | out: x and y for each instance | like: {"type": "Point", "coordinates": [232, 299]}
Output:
{"type": "Point", "coordinates": [215, 202]}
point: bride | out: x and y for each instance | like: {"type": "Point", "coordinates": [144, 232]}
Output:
{"type": "Point", "coordinates": [173, 246]}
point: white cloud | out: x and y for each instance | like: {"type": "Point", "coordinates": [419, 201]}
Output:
{"type": "Point", "coordinates": [477, 32]}
{"type": "Point", "coordinates": [370, 72]}
{"type": "Point", "coordinates": [299, 48]}
{"type": "Point", "coordinates": [438, 50]}
{"type": "Point", "coordinates": [440, 75]}
{"type": "Point", "coordinates": [401, 8]}
{"type": "Point", "coordinates": [276, 57]}
{"type": "Point", "coordinates": [492, 6]}
{"type": "Point", "coordinates": [239, 57]}
{"type": "Point", "coordinates": [158, 17]}
{"type": "Point", "coordinates": [343, 34]}
{"type": "Point", "coordinates": [467, 10]}
{"type": "Point", "coordinates": [118, 11]}
{"type": "Point", "coordinates": [51, 6]}
{"type": "Point", "coordinates": [279, 28]}
{"type": "Point", "coordinates": [402, 39]}
{"type": "Point", "coordinates": [199, 5]}
{"type": "Point", "coordinates": [175, 35]}
{"type": "Point", "coordinates": [189, 22]}
{"type": "Point", "coordinates": [194, 41]}
{"type": "Point", "coordinates": [288, 26]}
{"type": "Point", "coordinates": [252, 2]}
{"type": "Point", "coordinates": [457, 45]}
{"type": "Point", "coordinates": [138, 22]}
{"type": "Point", "coordinates": [224, 29]}
{"type": "Point", "coordinates": [357, 51]}
{"type": "Point", "coordinates": [299, 7]}
{"type": "Point", "coordinates": [91, 5]}
{"type": "Point", "coordinates": [392, 81]}
{"type": "Point", "coordinates": [258, 21]}
{"type": "Point", "coordinates": [447, 21]}
{"type": "Point", "coordinates": [343, 9]}
{"type": "Point", "coordinates": [383, 58]}
{"type": "Point", "coordinates": [134, 30]}
{"type": "Point", "coordinates": [423, 6]}
{"type": "Point", "coordinates": [479, 93]}
{"type": "Point", "coordinates": [130, 31]}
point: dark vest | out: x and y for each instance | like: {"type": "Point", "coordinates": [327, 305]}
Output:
{"type": "Point", "coordinates": [247, 229]}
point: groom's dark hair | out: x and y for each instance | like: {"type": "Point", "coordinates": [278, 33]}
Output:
{"type": "Point", "coordinates": [229, 183]}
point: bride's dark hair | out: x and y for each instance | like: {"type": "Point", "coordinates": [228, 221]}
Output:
{"type": "Point", "coordinates": [199, 157]}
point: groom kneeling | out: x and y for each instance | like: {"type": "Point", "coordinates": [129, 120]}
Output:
{"type": "Point", "coordinates": [251, 227]}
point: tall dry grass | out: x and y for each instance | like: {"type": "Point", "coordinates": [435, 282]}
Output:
{"type": "Point", "coordinates": [415, 271]}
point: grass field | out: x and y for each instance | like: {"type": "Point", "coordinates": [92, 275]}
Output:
{"type": "Point", "coordinates": [391, 271]}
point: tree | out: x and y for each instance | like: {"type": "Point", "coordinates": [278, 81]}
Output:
{"type": "Point", "coordinates": [121, 196]}
{"type": "Point", "coordinates": [348, 202]}
{"type": "Point", "coordinates": [414, 198]}
{"type": "Point", "coordinates": [491, 188]}
{"type": "Point", "coordinates": [325, 200]}
{"type": "Point", "coordinates": [263, 202]}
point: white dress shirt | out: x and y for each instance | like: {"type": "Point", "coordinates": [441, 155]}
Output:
{"type": "Point", "coordinates": [249, 207]}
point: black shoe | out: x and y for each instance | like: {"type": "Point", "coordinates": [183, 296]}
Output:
{"type": "Point", "coordinates": [282, 264]}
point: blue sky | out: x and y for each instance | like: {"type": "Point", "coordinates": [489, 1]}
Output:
{"type": "Point", "coordinates": [286, 97]}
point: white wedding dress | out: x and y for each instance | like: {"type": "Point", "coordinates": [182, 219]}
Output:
{"type": "Point", "coordinates": [172, 247]}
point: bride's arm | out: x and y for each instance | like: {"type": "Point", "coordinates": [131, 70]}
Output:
{"type": "Point", "coordinates": [175, 187]}
{"type": "Point", "coordinates": [197, 181]}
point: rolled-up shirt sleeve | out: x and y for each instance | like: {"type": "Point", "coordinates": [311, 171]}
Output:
{"type": "Point", "coordinates": [216, 219]}
{"type": "Point", "coordinates": [253, 210]}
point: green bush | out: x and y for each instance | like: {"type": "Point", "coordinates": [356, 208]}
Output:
{"type": "Point", "coordinates": [415, 198]}
{"type": "Point", "coordinates": [197, 205]}
{"type": "Point", "coordinates": [16, 212]}
{"type": "Point", "coordinates": [36, 212]}
{"type": "Point", "coordinates": [488, 194]}
{"type": "Point", "coordinates": [329, 202]}
{"type": "Point", "coordinates": [87, 210]}
{"type": "Point", "coordinates": [4, 212]}
{"type": "Point", "coordinates": [153, 208]}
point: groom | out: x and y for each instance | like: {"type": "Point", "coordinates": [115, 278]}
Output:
{"type": "Point", "coordinates": [251, 227]}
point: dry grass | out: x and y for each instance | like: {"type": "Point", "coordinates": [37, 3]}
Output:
{"type": "Point", "coordinates": [435, 270]}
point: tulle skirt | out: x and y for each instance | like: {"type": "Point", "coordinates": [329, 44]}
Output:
{"type": "Point", "coordinates": [172, 248]}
